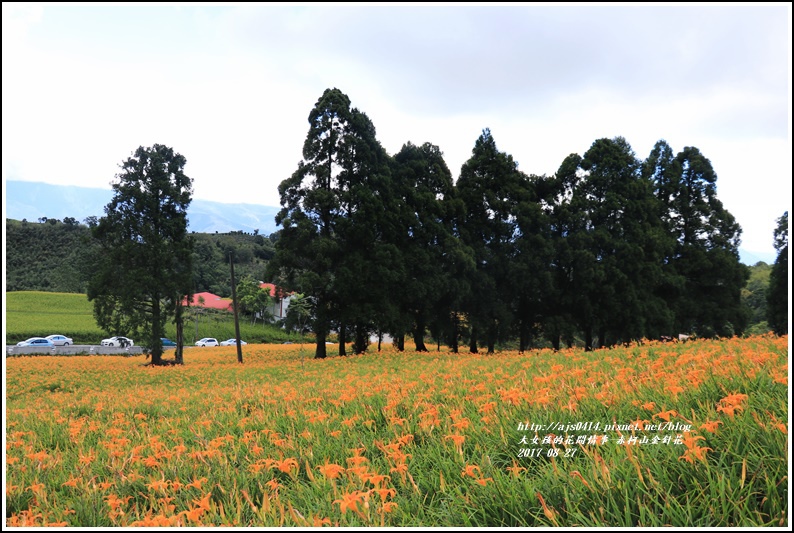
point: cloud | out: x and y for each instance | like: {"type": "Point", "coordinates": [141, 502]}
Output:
{"type": "Point", "coordinates": [231, 87]}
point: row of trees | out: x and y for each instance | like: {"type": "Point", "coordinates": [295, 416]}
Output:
{"type": "Point", "coordinates": [609, 249]}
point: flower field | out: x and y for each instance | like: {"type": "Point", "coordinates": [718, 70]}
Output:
{"type": "Point", "coordinates": [691, 434]}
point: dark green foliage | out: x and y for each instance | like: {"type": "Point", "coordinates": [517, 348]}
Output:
{"type": "Point", "coordinates": [754, 296]}
{"type": "Point", "coordinates": [423, 184]}
{"type": "Point", "coordinates": [317, 201]}
{"type": "Point", "coordinates": [211, 259]}
{"type": "Point", "coordinates": [144, 270]}
{"type": "Point", "coordinates": [610, 245]}
{"type": "Point", "coordinates": [777, 297]}
{"type": "Point", "coordinates": [706, 276]}
{"type": "Point", "coordinates": [48, 257]}
{"type": "Point", "coordinates": [253, 300]}
{"type": "Point", "coordinates": [59, 257]}
{"type": "Point", "coordinates": [610, 249]}
{"type": "Point", "coordinates": [491, 188]}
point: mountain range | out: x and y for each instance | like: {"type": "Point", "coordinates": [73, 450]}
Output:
{"type": "Point", "coordinates": [33, 200]}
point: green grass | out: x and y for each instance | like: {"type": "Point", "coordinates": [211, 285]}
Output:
{"type": "Point", "coordinates": [38, 314]}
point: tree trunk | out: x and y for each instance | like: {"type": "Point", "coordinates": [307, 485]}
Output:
{"type": "Point", "coordinates": [321, 326]}
{"type": "Point", "coordinates": [492, 334]}
{"type": "Point", "coordinates": [523, 337]}
{"type": "Point", "coordinates": [360, 344]}
{"type": "Point", "coordinates": [399, 342]}
{"type": "Point", "coordinates": [453, 341]}
{"type": "Point", "coordinates": [602, 334]}
{"type": "Point", "coordinates": [180, 333]}
{"type": "Point", "coordinates": [473, 340]}
{"type": "Point", "coordinates": [419, 333]}
{"type": "Point", "coordinates": [588, 339]}
{"type": "Point", "coordinates": [319, 352]}
{"type": "Point", "coordinates": [157, 344]}
{"type": "Point", "coordinates": [342, 339]}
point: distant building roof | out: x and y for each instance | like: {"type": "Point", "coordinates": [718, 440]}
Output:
{"type": "Point", "coordinates": [275, 292]}
{"type": "Point", "coordinates": [212, 301]}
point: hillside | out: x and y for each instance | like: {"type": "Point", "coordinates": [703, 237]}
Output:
{"type": "Point", "coordinates": [57, 256]}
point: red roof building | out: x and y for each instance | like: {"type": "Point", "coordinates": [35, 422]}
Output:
{"type": "Point", "coordinates": [280, 298]}
{"type": "Point", "coordinates": [211, 301]}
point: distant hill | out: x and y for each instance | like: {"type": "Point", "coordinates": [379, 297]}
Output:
{"type": "Point", "coordinates": [27, 200]}
{"type": "Point", "coordinates": [33, 200]}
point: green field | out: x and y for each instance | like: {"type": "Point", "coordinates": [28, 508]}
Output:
{"type": "Point", "coordinates": [38, 314]}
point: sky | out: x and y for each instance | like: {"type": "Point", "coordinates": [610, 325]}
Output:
{"type": "Point", "coordinates": [230, 87]}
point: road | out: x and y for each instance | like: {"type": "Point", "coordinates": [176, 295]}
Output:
{"type": "Point", "coordinates": [75, 349]}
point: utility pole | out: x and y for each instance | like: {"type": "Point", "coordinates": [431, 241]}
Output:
{"type": "Point", "coordinates": [234, 305]}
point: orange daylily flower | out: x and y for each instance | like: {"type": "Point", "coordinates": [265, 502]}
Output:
{"type": "Point", "coordinates": [158, 484]}
{"type": "Point", "coordinates": [728, 409]}
{"type": "Point", "coordinates": [734, 399]}
{"type": "Point", "coordinates": [515, 469]}
{"type": "Point", "coordinates": [320, 522]}
{"type": "Point", "coordinates": [38, 456]}
{"type": "Point", "coordinates": [196, 483]}
{"type": "Point", "coordinates": [456, 439]}
{"type": "Point", "coordinates": [204, 503]}
{"type": "Point", "coordinates": [376, 479]}
{"type": "Point", "coordinates": [115, 502]}
{"type": "Point", "coordinates": [711, 427]}
{"type": "Point", "coordinates": [194, 515]}
{"type": "Point", "coordinates": [330, 470]}
{"type": "Point", "coordinates": [350, 501]}
{"type": "Point", "coordinates": [581, 478]}
{"type": "Point", "coordinates": [356, 460]}
{"type": "Point", "coordinates": [665, 415]}
{"type": "Point", "coordinates": [695, 453]}
{"type": "Point", "coordinates": [674, 389]}
{"type": "Point", "coordinates": [471, 471]}
{"type": "Point", "coordinates": [288, 465]}
{"type": "Point", "coordinates": [384, 493]}
{"type": "Point", "coordinates": [388, 507]}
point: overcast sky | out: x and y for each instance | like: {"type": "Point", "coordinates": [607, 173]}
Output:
{"type": "Point", "coordinates": [231, 88]}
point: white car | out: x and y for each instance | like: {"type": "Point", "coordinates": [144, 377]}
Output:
{"type": "Point", "coordinates": [59, 340]}
{"type": "Point", "coordinates": [121, 342]}
{"type": "Point", "coordinates": [233, 342]}
{"type": "Point", "coordinates": [207, 341]}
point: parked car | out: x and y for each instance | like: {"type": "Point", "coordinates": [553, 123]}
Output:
{"type": "Point", "coordinates": [38, 342]}
{"type": "Point", "coordinates": [59, 340]}
{"type": "Point", "coordinates": [167, 342]}
{"type": "Point", "coordinates": [207, 341]}
{"type": "Point", "coordinates": [233, 342]}
{"type": "Point", "coordinates": [121, 342]}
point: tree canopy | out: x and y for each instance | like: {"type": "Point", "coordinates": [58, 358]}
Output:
{"type": "Point", "coordinates": [777, 297]}
{"type": "Point", "coordinates": [610, 248]}
{"type": "Point", "coordinates": [144, 270]}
